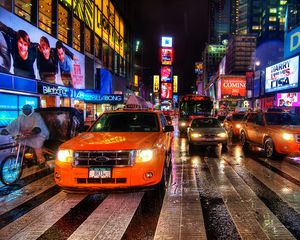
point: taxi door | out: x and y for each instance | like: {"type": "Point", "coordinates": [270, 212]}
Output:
{"type": "Point", "coordinates": [260, 128]}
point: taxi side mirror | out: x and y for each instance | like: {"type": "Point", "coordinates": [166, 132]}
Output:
{"type": "Point", "coordinates": [169, 128]}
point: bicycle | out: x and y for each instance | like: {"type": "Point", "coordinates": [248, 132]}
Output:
{"type": "Point", "coordinates": [11, 167]}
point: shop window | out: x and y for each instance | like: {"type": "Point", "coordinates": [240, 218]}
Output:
{"type": "Point", "coordinates": [6, 4]}
{"type": "Point", "coordinates": [88, 38]}
{"type": "Point", "coordinates": [63, 15]}
{"type": "Point", "coordinates": [105, 49]}
{"type": "Point", "coordinates": [76, 34]}
{"type": "Point", "coordinates": [23, 9]}
{"type": "Point", "coordinates": [98, 48]}
{"type": "Point", "coordinates": [45, 15]}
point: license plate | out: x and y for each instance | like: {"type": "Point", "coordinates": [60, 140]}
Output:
{"type": "Point", "coordinates": [100, 173]}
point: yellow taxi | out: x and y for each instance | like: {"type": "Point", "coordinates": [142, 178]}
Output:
{"type": "Point", "coordinates": [232, 123]}
{"type": "Point", "coordinates": [127, 148]}
{"type": "Point", "coordinates": [275, 132]}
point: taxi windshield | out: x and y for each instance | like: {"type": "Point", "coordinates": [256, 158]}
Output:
{"type": "Point", "coordinates": [282, 119]}
{"type": "Point", "coordinates": [127, 122]}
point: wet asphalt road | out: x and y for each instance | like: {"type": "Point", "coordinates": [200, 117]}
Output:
{"type": "Point", "coordinates": [212, 194]}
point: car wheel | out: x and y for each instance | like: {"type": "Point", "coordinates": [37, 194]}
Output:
{"type": "Point", "coordinates": [269, 148]}
{"type": "Point", "coordinates": [224, 147]}
{"type": "Point", "coordinates": [243, 141]}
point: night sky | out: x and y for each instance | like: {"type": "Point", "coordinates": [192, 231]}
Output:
{"type": "Point", "coordinates": [186, 21]}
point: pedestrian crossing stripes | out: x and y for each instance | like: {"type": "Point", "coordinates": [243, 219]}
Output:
{"type": "Point", "coordinates": [208, 197]}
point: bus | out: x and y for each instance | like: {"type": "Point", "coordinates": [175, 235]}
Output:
{"type": "Point", "coordinates": [191, 106]}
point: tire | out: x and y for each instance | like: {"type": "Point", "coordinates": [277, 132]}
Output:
{"type": "Point", "coordinates": [8, 174]}
{"type": "Point", "coordinates": [164, 179]}
{"type": "Point", "coordinates": [269, 148]}
{"type": "Point", "coordinates": [243, 141]}
{"type": "Point", "coordinates": [224, 147]}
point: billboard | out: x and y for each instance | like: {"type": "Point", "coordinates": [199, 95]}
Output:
{"type": "Point", "coordinates": [166, 56]}
{"type": "Point", "coordinates": [233, 86]}
{"type": "Point", "coordinates": [288, 99]}
{"type": "Point", "coordinates": [166, 74]}
{"type": "Point", "coordinates": [155, 83]}
{"type": "Point", "coordinates": [199, 68]}
{"type": "Point", "coordinates": [32, 53]}
{"type": "Point", "coordinates": [166, 91]}
{"type": "Point", "coordinates": [283, 75]}
{"type": "Point", "coordinates": [166, 41]}
{"type": "Point", "coordinates": [292, 43]}
{"type": "Point", "coordinates": [175, 84]}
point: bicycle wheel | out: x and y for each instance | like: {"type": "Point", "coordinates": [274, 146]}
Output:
{"type": "Point", "coordinates": [9, 173]}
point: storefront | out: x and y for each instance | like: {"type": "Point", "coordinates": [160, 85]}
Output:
{"type": "Point", "coordinates": [94, 104]}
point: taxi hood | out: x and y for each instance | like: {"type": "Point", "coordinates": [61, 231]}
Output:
{"type": "Point", "coordinates": [112, 141]}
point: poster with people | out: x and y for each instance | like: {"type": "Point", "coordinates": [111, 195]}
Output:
{"type": "Point", "coordinates": [29, 52]}
{"type": "Point", "coordinates": [288, 99]}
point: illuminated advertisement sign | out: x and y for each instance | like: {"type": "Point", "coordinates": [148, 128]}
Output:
{"type": "Point", "coordinates": [136, 80]}
{"type": "Point", "coordinates": [199, 68]}
{"type": "Point", "coordinates": [89, 95]}
{"type": "Point", "coordinates": [233, 86]}
{"type": "Point", "coordinates": [166, 91]}
{"type": "Point", "coordinates": [283, 75]}
{"type": "Point", "coordinates": [175, 84]}
{"type": "Point", "coordinates": [53, 90]}
{"type": "Point", "coordinates": [166, 56]}
{"type": "Point", "coordinates": [166, 74]}
{"type": "Point", "coordinates": [155, 83]}
{"type": "Point", "coordinates": [167, 42]}
{"type": "Point", "coordinates": [292, 43]}
{"type": "Point", "coordinates": [288, 99]}
{"type": "Point", "coordinates": [42, 57]}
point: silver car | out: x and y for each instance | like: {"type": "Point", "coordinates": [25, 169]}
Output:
{"type": "Point", "coordinates": [206, 131]}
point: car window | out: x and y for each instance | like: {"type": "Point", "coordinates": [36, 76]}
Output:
{"type": "Point", "coordinates": [163, 121]}
{"type": "Point", "coordinates": [237, 117]}
{"type": "Point", "coordinates": [259, 119]}
{"type": "Point", "coordinates": [251, 118]}
{"type": "Point", "coordinates": [127, 122]}
{"type": "Point", "coordinates": [282, 119]}
{"type": "Point", "coordinates": [205, 123]}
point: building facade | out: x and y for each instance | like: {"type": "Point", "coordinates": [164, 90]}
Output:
{"type": "Point", "coordinates": [89, 53]}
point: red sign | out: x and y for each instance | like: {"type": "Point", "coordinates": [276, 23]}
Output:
{"type": "Point", "coordinates": [166, 91]}
{"type": "Point", "coordinates": [233, 86]}
{"type": "Point", "coordinates": [166, 56]}
{"type": "Point", "coordinates": [166, 74]}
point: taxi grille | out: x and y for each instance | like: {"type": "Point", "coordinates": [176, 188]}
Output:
{"type": "Point", "coordinates": [103, 158]}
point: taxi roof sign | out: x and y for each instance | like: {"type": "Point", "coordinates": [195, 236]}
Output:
{"type": "Point", "coordinates": [136, 102]}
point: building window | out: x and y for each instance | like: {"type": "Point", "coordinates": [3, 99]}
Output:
{"type": "Point", "coordinates": [273, 10]}
{"type": "Point", "coordinates": [116, 64]}
{"type": "Point", "coordinates": [76, 34]}
{"type": "Point", "coordinates": [105, 54]}
{"type": "Point", "coordinates": [45, 15]}
{"type": "Point", "coordinates": [6, 4]}
{"type": "Point", "coordinates": [272, 28]}
{"type": "Point", "coordinates": [98, 48]}
{"type": "Point", "coordinates": [23, 9]}
{"type": "Point", "coordinates": [88, 38]}
{"type": "Point", "coordinates": [272, 19]}
{"type": "Point", "coordinates": [63, 24]}
{"type": "Point", "coordinates": [110, 59]}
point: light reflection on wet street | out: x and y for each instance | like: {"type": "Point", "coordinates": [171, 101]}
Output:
{"type": "Point", "coordinates": [212, 193]}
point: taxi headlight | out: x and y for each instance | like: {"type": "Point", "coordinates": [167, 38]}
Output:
{"type": "Point", "coordinates": [196, 135]}
{"type": "Point", "coordinates": [222, 135]}
{"type": "Point", "coordinates": [144, 155]}
{"type": "Point", "coordinates": [65, 155]}
{"type": "Point", "coordinates": [288, 136]}
{"type": "Point", "coordinates": [238, 125]}
{"type": "Point", "coordinates": [183, 124]}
